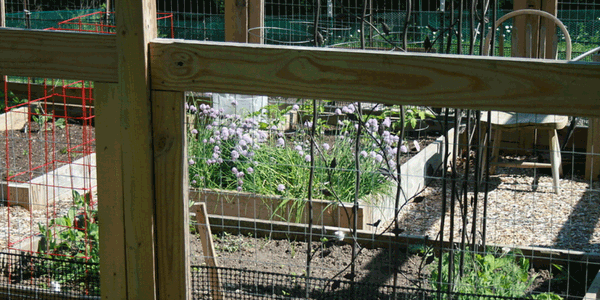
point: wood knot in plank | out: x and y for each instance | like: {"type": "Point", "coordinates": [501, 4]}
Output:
{"type": "Point", "coordinates": [164, 144]}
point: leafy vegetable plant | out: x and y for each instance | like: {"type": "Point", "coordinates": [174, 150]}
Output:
{"type": "Point", "coordinates": [498, 274]}
{"type": "Point", "coordinates": [74, 235]}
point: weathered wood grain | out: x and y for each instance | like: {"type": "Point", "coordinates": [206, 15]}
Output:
{"type": "Point", "coordinates": [136, 26]}
{"type": "Point", "coordinates": [491, 83]}
{"type": "Point", "coordinates": [110, 192]}
{"type": "Point", "coordinates": [171, 190]}
{"type": "Point", "coordinates": [66, 55]}
{"type": "Point", "coordinates": [256, 21]}
{"type": "Point", "coordinates": [236, 21]}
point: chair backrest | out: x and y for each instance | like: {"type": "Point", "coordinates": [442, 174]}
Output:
{"type": "Point", "coordinates": [528, 37]}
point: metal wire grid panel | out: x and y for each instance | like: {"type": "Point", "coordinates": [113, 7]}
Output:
{"type": "Point", "coordinates": [48, 202]}
{"type": "Point", "coordinates": [250, 162]}
{"type": "Point", "coordinates": [28, 276]}
{"type": "Point", "coordinates": [246, 284]}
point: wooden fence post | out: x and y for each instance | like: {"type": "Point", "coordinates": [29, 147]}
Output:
{"type": "Point", "coordinates": [256, 21]}
{"type": "Point", "coordinates": [236, 21]}
{"type": "Point", "coordinates": [128, 141]}
{"type": "Point", "coordinates": [110, 193]}
{"type": "Point", "coordinates": [592, 159]}
{"type": "Point", "coordinates": [531, 26]}
{"type": "Point", "coordinates": [171, 190]}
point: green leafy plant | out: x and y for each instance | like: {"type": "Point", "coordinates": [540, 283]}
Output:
{"type": "Point", "coordinates": [40, 118]}
{"type": "Point", "coordinates": [12, 100]}
{"type": "Point", "coordinates": [414, 114]}
{"type": "Point", "coordinates": [503, 274]}
{"type": "Point", "coordinates": [60, 123]}
{"type": "Point", "coordinates": [74, 235]}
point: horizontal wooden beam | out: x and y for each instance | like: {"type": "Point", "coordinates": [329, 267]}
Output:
{"type": "Point", "coordinates": [65, 55]}
{"type": "Point", "coordinates": [510, 84]}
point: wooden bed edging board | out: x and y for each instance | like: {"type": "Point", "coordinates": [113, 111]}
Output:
{"type": "Point", "coordinates": [55, 185]}
{"type": "Point", "coordinates": [538, 256]}
{"type": "Point", "coordinates": [14, 119]}
{"type": "Point", "coordinates": [262, 207]}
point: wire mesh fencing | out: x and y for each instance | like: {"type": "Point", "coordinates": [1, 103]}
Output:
{"type": "Point", "coordinates": [246, 284]}
{"type": "Point", "coordinates": [29, 276]}
{"type": "Point", "coordinates": [47, 198]}
{"type": "Point", "coordinates": [315, 187]}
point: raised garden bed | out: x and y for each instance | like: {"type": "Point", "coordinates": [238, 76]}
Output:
{"type": "Point", "coordinates": [57, 184]}
{"type": "Point", "coordinates": [14, 119]}
{"type": "Point", "coordinates": [415, 174]}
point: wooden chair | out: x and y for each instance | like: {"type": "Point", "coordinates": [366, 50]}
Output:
{"type": "Point", "coordinates": [507, 121]}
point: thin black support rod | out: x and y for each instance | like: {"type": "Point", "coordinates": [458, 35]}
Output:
{"type": "Point", "coordinates": [453, 196]}
{"type": "Point", "coordinates": [450, 27]}
{"type": "Point", "coordinates": [487, 178]}
{"type": "Point", "coordinates": [406, 22]}
{"type": "Point", "coordinates": [362, 25]}
{"type": "Point", "coordinates": [477, 179]}
{"type": "Point", "coordinates": [356, 190]}
{"type": "Point", "coordinates": [398, 189]}
{"type": "Point", "coordinates": [465, 194]}
{"type": "Point", "coordinates": [460, 28]}
{"type": "Point", "coordinates": [318, 38]}
{"type": "Point", "coordinates": [311, 179]}
{"type": "Point", "coordinates": [444, 199]}
{"type": "Point", "coordinates": [484, 7]}
{"type": "Point", "coordinates": [472, 27]}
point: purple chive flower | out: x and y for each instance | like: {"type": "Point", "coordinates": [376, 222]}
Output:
{"type": "Point", "coordinates": [234, 155]}
{"type": "Point", "coordinates": [301, 152]}
{"type": "Point", "coordinates": [197, 175]}
{"type": "Point", "coordinates": [363, 153]}
{"type": "Point", "coordinates": [250, 170]}
{"type": "Point", "coordinates": [281, 187]}
{"type": "Point", "coordinates": [193, 181]}
{"type": "Point", "coordinates": [204, 141]}
{"type": "Point", "coordinates": [308, 124]}
{"type": "Point", "coordinates": [403, 149]}
{"type": "Point", "coordinates": [298, 148]}
{"type": "Point", "coordinates": [379, 158]}
{"type": "Point", "coordinates": [234, 170]}
{"type": "Point", "coordinates": [234, 102]}
{"type": "Point", "coordinates": [387, 122]}
{"type": "Point", "coordinates": [338, 111]}
{"type": "Point", "coordinates": [240, 174]}
{"type": "Point", "coordinates": [240, 182]}
{"type": "Point", "coordinates": [326, 146]}
{"type": "Point", "coordinates": [295, 107]}
{"type": "Point", "coordinates": [239, 188]}
{"type": "Point", "coordinates": [280, 142]}
{"type": "Point", "coordinates": [191, 162]}
{"type": "Point", "coordinates": [243, 143]}
{"type": "Point", "coordinates": [194, 131]}
{"type": "Point", "coordinates": [307, 158]}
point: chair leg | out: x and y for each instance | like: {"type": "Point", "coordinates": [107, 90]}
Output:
{"type": "Point", "coordinates": [555, 159]}
{"type": "Point", "coordinates": [495, 149]}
